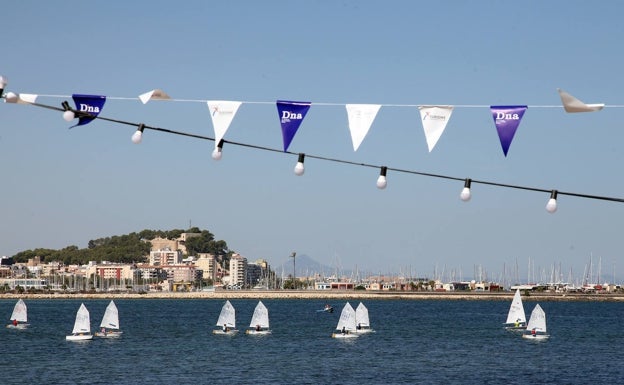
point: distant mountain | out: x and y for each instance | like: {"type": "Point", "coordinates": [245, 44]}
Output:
{"type": "Point", "coordinates": [305, 265]}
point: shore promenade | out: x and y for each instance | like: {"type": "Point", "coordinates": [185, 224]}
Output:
{"type": "Point", "coordinates": [326, 295]}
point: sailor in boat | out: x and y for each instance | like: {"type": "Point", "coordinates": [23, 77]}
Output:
{"type": "Point", "coordinates": [225, 328]}
{"type": "Point", "coordinates": [103, 331]}
{"type": "Point", "coordinates": [359, 327]}
{"type": "Point", "coordinates": [343, 330]}
{"type": "Point", "coordinates": [14, 322]}
{"type": "Point", "coordinates": [257, 328]}
{"type": "Point", "coordinates": [533, 333]}
{"type": "Point", "coordinates": [517, 322]}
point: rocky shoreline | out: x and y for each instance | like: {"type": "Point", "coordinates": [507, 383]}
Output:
{"type": "Point", "coordinates": [324, 295]}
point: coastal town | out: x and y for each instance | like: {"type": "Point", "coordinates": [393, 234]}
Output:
{"type": "Point", "coordinates": [169, 269]}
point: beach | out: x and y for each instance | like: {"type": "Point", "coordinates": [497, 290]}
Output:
{"type": "Point", "coordinates": [326, 295]}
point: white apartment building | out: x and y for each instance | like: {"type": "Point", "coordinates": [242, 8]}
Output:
{"type": "Point", "coordinates": [238, 270]}
{"type": "Point", "coordinates": [165, 257]}
{"type": "Point", "coordinates": [180, 273]}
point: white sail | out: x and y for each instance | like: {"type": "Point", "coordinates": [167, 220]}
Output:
{"type": "Point", "coordinates": [260, 316]}
{"type": "Point", "coordinates": [537, 320]}
{"type": "Point", "coordinates": [347, 319]}
{"type": "Point", "coordinates": [111, 317]}
{"type": "Point", "coordinates": [516, 311]}
{"type": "Point", "coordinates": [227, 316]}
{"type": "Point", "coordinates": [20, 312]}
{"type": "Point", "coordinates": [361, 316]}
{"type": "Point", "coordinates": [82, 323]}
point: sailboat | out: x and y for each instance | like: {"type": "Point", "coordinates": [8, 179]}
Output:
{"type": "Point", "coordinates": [109, 327]}
{"type": "Point", "coordinates": [362, 323]}
{"type": "Point", "coordinates": [82, 326]}
{"type": "Point", "coordinates": [516, 319]}
{"type": "Point", "coordinates": [536, 328]}
{"type": "Point", "coordinates": [227, 320]}
{"type": "Point", "coordinates": [259, 320]}
{"type": "Point", "coordinates": [346, 324]}
{"type": "Point", "coordinates": [19, 317]}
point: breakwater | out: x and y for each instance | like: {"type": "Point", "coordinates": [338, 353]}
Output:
{"type": "Point", "coordinates": [327, 295]}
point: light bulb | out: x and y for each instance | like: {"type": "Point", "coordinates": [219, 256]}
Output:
{"type": "Point", "coordinates": [551, 206]}
{"type": "Point", "coordinates": [69, 115]}
{"type": "Point", "coordinates": [3, 83]}
{"type": "Point", "coordinates": [138, 134]}
{"type": "Point", "coordinates": [382, 182]}
{"type": "Point", "coordinates": [11, 97]}
{"type": "Point", "coordinates": [465, 194]}
{"type": "Point", "coordinates": [299, 167]}
{"type": "Point", "coordinates": [217, 154]}
{"type": "Point", "coordinates": [137, 137]}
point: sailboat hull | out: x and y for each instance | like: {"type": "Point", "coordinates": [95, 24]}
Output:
{"type": "Point", "coordinates": [108, 334]}
{"type": "Point", "coordinates": [18, 326]}
{"type": "Point", "coordinates": [227, 333]}
{"type": "Point", "coordinates": [344, 335]}
{"type": "Point", "coordinates": [79, 337]}
{"type": "Point", "coordinates": [514, 328]}
{"type": "Point", "coordinates": [535, 337]}
{"type": "Point", "coordinates": [257, 332]}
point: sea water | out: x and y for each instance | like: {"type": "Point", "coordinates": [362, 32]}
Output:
{"type": "Point", "coordinates": [415, 342]}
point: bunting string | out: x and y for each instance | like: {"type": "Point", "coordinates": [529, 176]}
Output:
{"type": "Point", "coordinates": [554, 193]}
{"type": "Point", "coordinates": [326, 104]}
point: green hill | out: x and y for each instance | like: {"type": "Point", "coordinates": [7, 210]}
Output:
{"type": "Point", "coordinates": [129, 248]}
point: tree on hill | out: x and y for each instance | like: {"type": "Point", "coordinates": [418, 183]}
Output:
{"type": "Point", "coordinates": [205, 243]}
{"type": "Point", "coordinates": [129, 248]}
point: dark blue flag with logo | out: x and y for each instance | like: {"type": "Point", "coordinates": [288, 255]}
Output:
{"type": "Point", "coordinates": [507, 119]}
{"type": "Point", "coordinates": [88, 107]}
{"type": "Point", "coordinates": [291, 115]}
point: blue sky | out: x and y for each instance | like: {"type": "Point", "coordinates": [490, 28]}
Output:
{"type": "Point", "coordinates": [64, 187]}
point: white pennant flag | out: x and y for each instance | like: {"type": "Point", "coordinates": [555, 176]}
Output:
{"type": "Point", "coordinates": [361, 117]}
{"type": "Point", "coordinates": [572, 104]}
{"type": "Point", "coordinates": [156, 94]}
{"type": "Point", "coordinates": [434, 120]}
{"type": "Point", "coordinates": [11, 97]}
{"type": "Point", "coordinates": [222, 112]}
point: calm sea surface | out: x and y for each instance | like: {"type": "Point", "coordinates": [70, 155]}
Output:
{"type": "Point", "coordinates": [416, 342]}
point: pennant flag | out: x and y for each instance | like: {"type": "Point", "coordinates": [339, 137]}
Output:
{"type": "Point", "coordinates": [89, 105]}
{"type": "Point", "coordinates": [20, 99]}
{"type": "Point", "coordinates": [222, 112]}
{"type": "Point", "coordinates": [291, 114]}
{"type": "Point", "coordinates": [434, 120]}
{"type": "Point", "coordinates": [507, 119]}
{"type": "Point", "coordinates": [572, 104]}
{"type": "Point", "coordinates": [156, 94]}
{"type": "Point", "coordinates": [27, 98]}
{"type": "Point", "coordinates": [361, 118]}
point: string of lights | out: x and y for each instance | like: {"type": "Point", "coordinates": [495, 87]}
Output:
{"type": "Point", "coordinates": [70, 114]}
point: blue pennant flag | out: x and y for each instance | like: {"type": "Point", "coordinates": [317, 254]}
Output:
{"type": "Point", "coordinates": [88, 107]}
{"type": "Point", "coordinates": [291, 115]}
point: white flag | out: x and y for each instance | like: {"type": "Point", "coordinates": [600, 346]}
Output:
{"type": "Point", "coordinates": [222, 112]}
{"type": "Point", "coordinates": [572, 104]}
{"type": "Point", "coordinates": [434, 120]}
{"type": "Point", "coordinates": [156, 94]}
{"type": "Point", "coordinates": [11, 97]}
{"type": "Point", "coordinates": [361, 117]}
